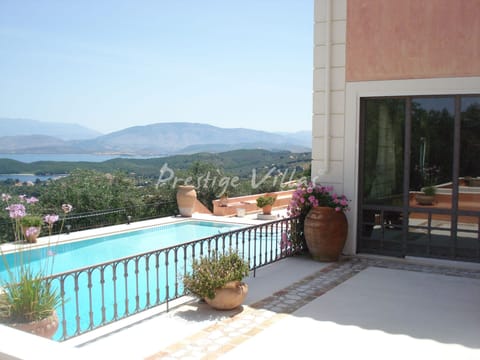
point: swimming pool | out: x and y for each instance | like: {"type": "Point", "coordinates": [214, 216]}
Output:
{"type": "Point", "coordinates": [104, 293]}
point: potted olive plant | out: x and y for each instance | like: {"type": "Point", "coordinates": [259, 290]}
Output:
{"type": "Point", "coordinates": [217, 279]}
{"type": "Point", "coordinates": [265, 203]}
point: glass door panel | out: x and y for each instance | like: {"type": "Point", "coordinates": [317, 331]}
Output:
{"type": "Point", "coordinates": [381, 191]}
{"type": "Point", "coordinates": [431, 167]}
{"type": "Point", "coordinates": [469, 179]}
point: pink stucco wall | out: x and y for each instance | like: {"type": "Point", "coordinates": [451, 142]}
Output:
{"type": "Point", "coordinates": [405, 39]}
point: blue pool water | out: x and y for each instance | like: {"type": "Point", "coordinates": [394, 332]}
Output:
{"type": "Point", "coordinates": [84, 307]}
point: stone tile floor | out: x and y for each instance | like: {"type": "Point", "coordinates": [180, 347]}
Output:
{"type": "Point", "coordinates": [215, 340]}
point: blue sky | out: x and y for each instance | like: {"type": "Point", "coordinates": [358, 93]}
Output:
{"type": "Point", "coordinates": [111, 64]}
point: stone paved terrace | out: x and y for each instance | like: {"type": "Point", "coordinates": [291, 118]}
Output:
{"type": "Point", "coordinates": [373, 308]}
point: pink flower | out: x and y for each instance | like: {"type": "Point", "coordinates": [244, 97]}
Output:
{"type": "Point", "coordinates": [344, 202]}
{"type": "Point", "coordinates": [338, 209]}
{"type": "Point", "coordinates": [31, 200]}
{"type": "Point", "coordinates": [22, 197]}
{"type": "Point", "coordinates": [6, 197]}
{"type": "Point", "coordinates": [50, 219]}
{"type": "Point", "coordinates": [17, 211]}
{"type": "Point", "coordinates": [67, 208]}
{"type": "Point", "coordinates": [31, 231]}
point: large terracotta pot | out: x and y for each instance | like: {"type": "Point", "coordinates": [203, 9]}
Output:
{"type": "Point", "coordinates": [186, 197]}
{"type": "Point", "coordinates": [325, 233]}
{"type": "Point", "coordinates": [46, 327]}
{"type": "Point", "coordinates": [229, 297]}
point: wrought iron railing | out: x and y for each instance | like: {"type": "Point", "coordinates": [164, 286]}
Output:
{"type": "Point", "coordinates": [98, 295]}
{"type": "Point", "coordinates": [100, 218]}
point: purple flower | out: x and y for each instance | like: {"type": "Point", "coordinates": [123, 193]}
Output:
{"type": "Point", "coordinates": [31, 231]}
{"type": "Point", "coordinates": [31, 200]}
{"type": "Point", "coordinates": [67, 208]}
{"type": "Point", "coordinates": [6, 197]}
{"type": "Point", "coordinates": [50, 219]}
{"type": "Point", "coordinates": [22, 197]}
{"type": "Point", "coordinates": [17, 211]}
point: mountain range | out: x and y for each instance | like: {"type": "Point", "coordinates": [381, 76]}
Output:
{"type": "Point", "coordinates": [34, 137]}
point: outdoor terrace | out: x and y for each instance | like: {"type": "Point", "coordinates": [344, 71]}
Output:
{"type": "Point", "coordinates": [366, 307]}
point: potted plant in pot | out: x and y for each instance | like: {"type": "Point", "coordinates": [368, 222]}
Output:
{"type": "Point", "coordinates": [27, 297]}
{"type": "Point", "coordinates": [217, 279]}
{"type": "Point", "coordinates": [265, 203]}
{"type": "Point", "coordinates": [322, 224]}
{"type": "Point", "coordinates": [28, 302]}
{"type": "Point", "coordinates": [31, 226]}
{"type": "Point", "coordinates": [426, 196]}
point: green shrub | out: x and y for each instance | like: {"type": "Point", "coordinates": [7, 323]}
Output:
{"type": "Point", "coordinates": [213, 272]}
{"type": "Point", "coordinates": [263, 201]}
{"type": "Point", "coordinates": [31, 221]}
{"type": "Point", "coordinates": [429, 190]}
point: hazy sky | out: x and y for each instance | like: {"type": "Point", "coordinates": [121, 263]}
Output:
{"type": "Point", "coordinates": [110, 64]}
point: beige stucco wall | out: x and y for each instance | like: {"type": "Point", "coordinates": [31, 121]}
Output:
{"type": "Point", "coordinates": [410, 39]}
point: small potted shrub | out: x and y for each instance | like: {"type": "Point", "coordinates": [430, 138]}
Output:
{"type": "Point", "coordinates": [218, 280]}
{"type": "Point", "coordinates": [427, 196]}
{"type": "Point", "coordinates": [31, 227]}
{"type": "Point", "coordinates": [265, 203]}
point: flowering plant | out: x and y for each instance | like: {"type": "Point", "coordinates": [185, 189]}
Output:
{"type": "Point", "coordinates": [312, 195]}
{"type": "Point", "coordinates": [27, 295]}
{"type": "Point", "coordinates": [308, 196]}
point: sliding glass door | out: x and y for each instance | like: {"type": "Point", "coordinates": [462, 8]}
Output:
{"type": "Point", "coordinates": [412, 147]}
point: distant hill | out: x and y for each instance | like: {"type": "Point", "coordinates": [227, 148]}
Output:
{"type": "Point", "coordinates": [172, 138]}
{"type": "Point", "coordinates": [238, 162]}
{"type": "Point", "coordinates": [155, 139]}
{"type": "Point", "coordinates": [63, 131]}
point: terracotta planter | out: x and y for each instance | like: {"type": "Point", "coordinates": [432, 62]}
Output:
{"type": "Point", "coordinates": [46, 327]}
{"type": "Point", "coordinates": [423, 199]}
{"type": "Point", "coordinates": [229, 297]}
{"type": "Point", "coordinates": [186, 197]}
{"type": "Point", "coordinates": [224, 201]}
{"type": "Point", "coordinates": [267, 209]}
{"type": "Point", "coordinates": [325, 233]}
{"type": "Point", "coordinates": [31, 238]}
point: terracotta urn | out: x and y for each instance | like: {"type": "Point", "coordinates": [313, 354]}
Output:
{"type": "Point", "coordinates": [46, 327]}
{"type": "Point", "coordinates": [186, 197]}
{"type": "Point", "coordinates": [325, 233]}
{"type": "Point", "coordinates": [229, 297]}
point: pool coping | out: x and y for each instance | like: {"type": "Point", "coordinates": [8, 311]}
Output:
{"type": "Point", "coordinates": [46, 241]}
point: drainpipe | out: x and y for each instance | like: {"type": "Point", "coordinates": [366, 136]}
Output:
{"type": "Point", "coordinates": [326, 125]}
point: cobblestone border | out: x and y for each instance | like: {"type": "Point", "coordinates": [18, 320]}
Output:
{"type": "Point", "coordinates": [215, 340]}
